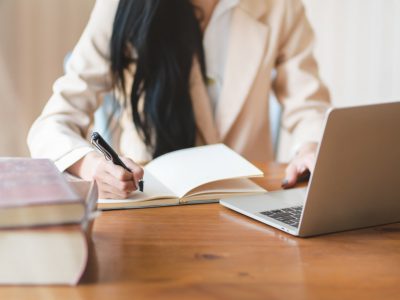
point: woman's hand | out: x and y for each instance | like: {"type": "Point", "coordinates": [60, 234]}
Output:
{"type": "Point", "coordinates": [301, 164]}
{"type": "Point", "coordinates": [113, 181]}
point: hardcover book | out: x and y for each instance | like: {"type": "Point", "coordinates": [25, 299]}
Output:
{"type": "Point", "coordinates": [33, 192]}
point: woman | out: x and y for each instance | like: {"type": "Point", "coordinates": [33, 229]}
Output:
{"type": "Point", "coordinates": [188, 73]}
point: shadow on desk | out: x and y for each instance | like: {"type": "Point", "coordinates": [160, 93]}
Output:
{"type": "Point", "coordinates": [91, 274]}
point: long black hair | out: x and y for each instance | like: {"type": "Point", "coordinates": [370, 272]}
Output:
{"type": "Point", "coordinates": [161, 38]}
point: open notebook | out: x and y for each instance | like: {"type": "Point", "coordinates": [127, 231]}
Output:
{"type": "Point", "coordinates": [194, 175]}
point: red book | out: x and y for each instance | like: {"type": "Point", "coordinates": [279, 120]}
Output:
{"type": "Point", "coordinates": [33, 192]}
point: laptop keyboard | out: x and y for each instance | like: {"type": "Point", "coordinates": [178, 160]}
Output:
{"type": "Point", "coordinates": [289, 216]}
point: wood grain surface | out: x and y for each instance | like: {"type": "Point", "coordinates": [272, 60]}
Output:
{"type": "Point", "coordinates": [206, 251]}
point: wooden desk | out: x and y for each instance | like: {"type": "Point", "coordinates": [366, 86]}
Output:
{"type": "Point", "coordinates": [209, 252]}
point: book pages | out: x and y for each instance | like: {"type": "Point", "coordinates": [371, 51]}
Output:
{"type": "Point", "coordinates": [183, 170]}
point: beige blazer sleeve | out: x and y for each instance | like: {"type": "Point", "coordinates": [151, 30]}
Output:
{"type": "Point", "coordinates": [298, 86]}
{"type": "Point", "coordinates": [60, 133]}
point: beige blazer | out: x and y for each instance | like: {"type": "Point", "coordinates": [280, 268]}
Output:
{"type": "Point", "coordinates": [265, 35]}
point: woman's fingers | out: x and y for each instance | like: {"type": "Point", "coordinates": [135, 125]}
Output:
{"type": "Point", "coordinates": [104, 194]}
{"type": "Point", "coordinates": [303, 162]}
{"type": "Point", "coordinates": [115, 181]}
{"type": "Point", "coordinates": [113, 186]}
{"type": "Point", "coordinates": [118, 172]}
{"type": "Point", "coordinates": [126, 186]}
{"type": "Point", "coordinates": [114, 192]}
{"type": "Point", "coordinates": [291, 176]}
{"type": "Point", "coordinates": [137, 170]}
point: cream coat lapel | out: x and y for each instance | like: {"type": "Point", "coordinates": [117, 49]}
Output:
{"type": "Point", "coordinates": [202, 106]}
{"type": "Point", "coordinates": [247, 44]}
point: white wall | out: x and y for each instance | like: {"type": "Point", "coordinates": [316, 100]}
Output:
{"type": "Point", "coordinates": [35, 35]}
{"type": "Point", "coordinates": [358, 51]}
{"type": "Point", "coordinates": [358, 48]}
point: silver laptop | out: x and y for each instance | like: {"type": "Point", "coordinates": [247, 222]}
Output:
{"type": "Point", "coordinates": [355, 184]}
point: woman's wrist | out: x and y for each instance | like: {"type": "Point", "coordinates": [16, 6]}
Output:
{"type": "Point", "coordinates": [86, 166]}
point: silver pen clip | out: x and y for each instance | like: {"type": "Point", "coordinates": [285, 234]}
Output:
{"type": "Point", "coordinates": [101, 149]}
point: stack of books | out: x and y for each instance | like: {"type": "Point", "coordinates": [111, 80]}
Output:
{"type": "Point", "coordinates": [45, 223]}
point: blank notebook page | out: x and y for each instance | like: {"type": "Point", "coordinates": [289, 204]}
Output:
{"type": "Point", "coordinates": [184, 170]}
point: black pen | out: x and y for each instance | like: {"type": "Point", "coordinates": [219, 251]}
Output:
{"type": "Point", "coordinates": [110, 154]}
